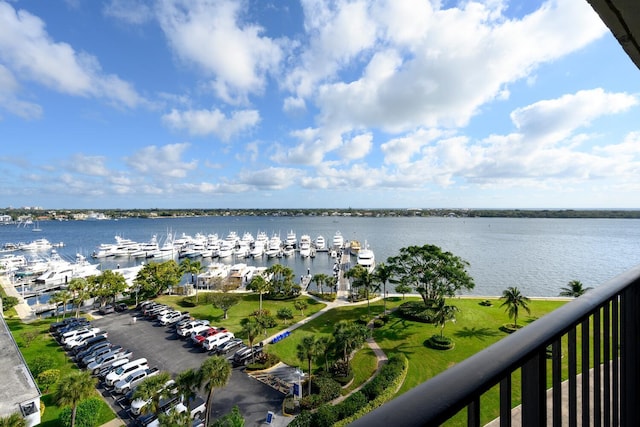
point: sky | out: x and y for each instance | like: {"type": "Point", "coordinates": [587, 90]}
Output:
{"type": "Point", "coordinates": [315, 104]}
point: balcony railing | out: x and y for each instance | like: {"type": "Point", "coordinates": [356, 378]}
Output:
{"type": "Point", "coordinates": [599, 333]}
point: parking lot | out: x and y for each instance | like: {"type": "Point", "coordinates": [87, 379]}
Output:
{"type": "Point", "coordinates": [164, 349]}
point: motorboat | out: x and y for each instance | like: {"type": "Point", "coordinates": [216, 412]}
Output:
{"type": "Point", "coordinates": [259, 245]}
{"type": "Point", "coordinates": [288, 251]}
{"type": "Point", "coordinates": [320, 243]}
{"type": "Point", "coordinates": [354, 247]}
{"type": "Point", "coordinates": [366, 258]}
{"type": "Point", "coordinates": [338, 241]}
{"type": "Point", "coordinates": [291, 239]}
{"type": "Point", "coordinates": [275, 247]}
{"type": "Point", "coordinates": [148, 249]}
{"type": "Point", "coordinates": [37, 245]}
{"type": "Point", "coordinates": [305, 246]}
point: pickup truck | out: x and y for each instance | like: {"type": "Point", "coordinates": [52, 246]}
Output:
{"type": "Point", "coordinates": [244, 355]}
{"type": "Point", "coordinates": [80, 339]}
{"type": "Point", "coordinates": [196, 406]}
{"type": "Point", "coordinates": [199, 338]}
{"type": "Point", "coordinates": [104, 371]}
{"type": "Point", "coordinates": [133, 379]}
{"type": "Point", "coordinates": [190, 327]}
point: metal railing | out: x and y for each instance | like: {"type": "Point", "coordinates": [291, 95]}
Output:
{"type": "Point", "coordinates": [600, 333]}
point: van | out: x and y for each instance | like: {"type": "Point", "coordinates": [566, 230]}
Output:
{"type": "Point", "coordinates": [214, 341]}
{"type": "Point", "coordinates": [125, 370]}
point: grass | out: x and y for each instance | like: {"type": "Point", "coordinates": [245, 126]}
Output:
{"type": "Point", "coordinates": [44, 344]}
{"type": "Point", "coordinates": [476, 328]}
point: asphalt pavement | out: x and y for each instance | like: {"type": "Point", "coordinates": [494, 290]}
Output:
{"type": "Point", "coordinates": [164, 349]}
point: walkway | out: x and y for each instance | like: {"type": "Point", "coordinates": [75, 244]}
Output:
{"type": "Point", "coordinates": [25, 312]}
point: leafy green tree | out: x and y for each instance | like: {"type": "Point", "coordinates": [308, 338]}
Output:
{"type": "Point", "coordinates": [432, 272]}
{"type": "Point", "coordinates": [156, 278]}
{"type": "Point", "coordinates": [307, 350]}
{"type": "Point", "coordinates": [402, 288]}
{"type": "Point", "coordinates": [574, 289]}
{"type": "Point", "coordinates": [365, 280]}
{"type": "Point", "coordinates": [107, 285]}
{"type": "Point", "coordinates": [443, 314]}
{"type": "Point", "coordinates": [348, 337]}
{"type": "Point", "coordinates": [300, 305]}
{"type": "Point", "coordinates": [13, 420]}
{"type": "Point", "coordinates": [232, 419]}
{"type": "Point", "coordinates": [224, 301]}
{"type": "Point", "coordinates": [260, 285]}
{"type": "Point", "coordinates": [514, 300]}
{"type": "Point", "coordinates": [188, 266]}
{"type": "Point", "coordinates": [9, 302]}
{"type": "Point", "coordinates": [153, 389]}
{"type": "Point", "coordinates": [213, 373]}
{"type": "Point", "coordinates": [285, 314]}
{"type": "Point", "coordinates": [73, 389]}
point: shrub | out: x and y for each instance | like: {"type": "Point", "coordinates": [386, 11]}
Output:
{"type": "Point", "coordinates": [416, 310]}
{"type": "Point", "coordinates": [438, 342]}
{"type": "Point", "coordinates": [41, 364]}
{"type": "Point", "coordinates": [378, 323]}
{"type": "Point", "coordinates": [485, 303]}
{"type": "Point", "coordinates": [263, 361]}
{"type": "Point", "coordinates": [304, 419]}
{"type": "Point", "coordinates": [325, 297]}
{"type": "Point", "coordinates": [310, 401]}
{"type": "Point", "coordinates": [327, 388]}
{"type": "Point", "coordinates": [87, 415]}
{"type": "Point", "coordinates": [343, 380]}
{"type": "Point", "coordinates": [9, 302]}
{"type": "Point", "coordinates": [351, 405]}
{"type": "Point", "coordinates": [46, 379]}
{"type": "Point", "coordinates": [325, 416]}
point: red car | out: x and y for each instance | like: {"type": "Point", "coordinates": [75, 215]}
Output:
{"type": "Point", "coordinates": [199, 338]}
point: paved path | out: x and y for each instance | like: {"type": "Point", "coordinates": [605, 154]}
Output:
{"type": "Point", "coordinates": [25, 312]}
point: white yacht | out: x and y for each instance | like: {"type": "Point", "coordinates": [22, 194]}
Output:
{"type": "Point", "coordinates": [320, 244]}
{"type": "Point", "coordinates": [291, 239]}
{"type": "Point", "coordinates": [305, 246]}
{"type": "Point", "coordinates": [274, 249]}
{"type": "Point", "coordinates": [366, 258]}
{"type": "Point", "coordinates": [37, 245]}
{"type": "Point", "coordinates": [338, 241]}
{"type": "Point", "coordinates": [226, 248]}
{"type": "Point", "coordinates": [260, 245]}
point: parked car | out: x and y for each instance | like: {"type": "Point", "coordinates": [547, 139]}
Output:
{"type": "Point", "coordinates": [189, 327]}
{"type": "Point", "coordinates": [90, 349]}
{"type": "Point", "coordinates": [244, 355]}
{"type": "Point", "coordinates": [104, 371]}
{"type": "Point", "coordinates": [101, 337]}
{"type": "Point", "coordinates": [137, 405]}
{"type": "Point", "coordinates": [133, 379]}
{"type": "Point", "coordinates": [205, 329]}
{"type": "Point", "coordinates": [66, 322]}
{"type": "Point", "coordinates": [93, 356]}
{"type": "Point", "coordinates": [125, 370]}
{"type": "Point", "coordinates": [107, 359]}
{"type": "Point", "coordinates": [68, 336]}
{"type": "Point", "coordinates": [107, 309]}
{"type": "Point", "coordinates": [196, 407]}
{"type": "Point", "coordinates": [169, 317]}
{"type": "Point", "coordinates": [70, 327]}
{"type": "Point", "coordinates": [216, 340]}
{"type": "Point", "coordinates": [121, 307]}
{"type": "Point", "coordinates": [81, 338]}
{"type": "Point", "coordinates": [232, 344]}
{"type": "Point", "coordinates": [199, 338]}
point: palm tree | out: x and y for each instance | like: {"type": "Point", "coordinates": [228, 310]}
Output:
{"type": "Point", "coordinates": [320, 280]}
{"type": "Point", "coordinates": [382, 274]}
{"type": "Point", "coordinates": [187, 382]}
{"type": "Point", "coordinates": [73, 389]}
{"type": "Point", "coordinates": [252, 328]}
{"type": "Point", "coordinates": [307, 350]}
{"type": "Point", "coordinates": [574, 289]}
{"type": "Point", "coordinates": [260, 285]}
{"type": "Point", "coordinates": [362, 278]}
{"type": "Point", "coordinates": [192, 267]}
{"type": "Point", "coordinates": [80, 289]}
{"type": "Point", "coordinates": [214, 373]}
{"type": "Point", "coordinates": [443, 314]}
{"type": "Point", "coordinates": [153, 389]}
{"type": "Point", "coordinates": [174, 418]}
{"type": "Point", "coordinates": [323, 344]}
{"type": "Point", "coordinates": [513, 299]}
{"type": "Point", "coordinates": [13, 420]}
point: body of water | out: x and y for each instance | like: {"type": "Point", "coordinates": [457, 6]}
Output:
{"type": "Point", "coordinates": [539, 256]}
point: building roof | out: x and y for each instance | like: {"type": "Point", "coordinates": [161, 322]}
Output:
{"type": "Point", "coordinates": [623, 19]}
{"type": "Point", "coordinates": [18, 385]}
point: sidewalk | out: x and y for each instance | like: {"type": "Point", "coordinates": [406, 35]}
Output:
{"type": "Point", "coordinates": [25, 312]}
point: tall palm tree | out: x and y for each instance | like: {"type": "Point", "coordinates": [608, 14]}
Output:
{"type": "Point", "coordinates": [174, 419]}
{"type": "Point", "coordinates": [187, 382]}
{"type": "Point", "coordinates": [260, 285]}
{"type": "Point", "coordinates": [73, 389]}
{"type": "Point", "coordinates": [214, 373]}
{"type": "Point", "coordinates": [364, 279]}
{"type": "Point", "coordinates": [514, 300]}
{"type": "Point", "coordinates": [153, 389]}
{"type": "Point", "coordinates": [252, 328]}
{"type": "Point", "coordinates": [192, 267]}
{"type": "Point", "coordinates": [323, 344]}
{"type": "Point", "coordinates": [574, 289]}
{"type": "Point", "coordinates": [443, 314]}
{"type": "Point", "coordinates": [307, 350]}
{"type": "Point", "coordinates": [320, 280]}
{"type": "Point", "coordinates": [13, 420]}
{"type": "Point", "coordinates": [382, 273]}
{"type": "Point", "coordinates": [79, 287]}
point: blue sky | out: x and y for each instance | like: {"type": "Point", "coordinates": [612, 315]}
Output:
{"type": "Point", "coordinates": [310, 104]}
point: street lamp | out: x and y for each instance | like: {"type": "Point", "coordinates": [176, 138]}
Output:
{"type": "Point", "coordinates": [300, 375]}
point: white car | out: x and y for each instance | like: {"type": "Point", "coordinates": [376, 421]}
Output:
{"type": "Point", "coordinates": [170, 317]}
{"type": "Point", "coordinates": [133, 379]}
{"type": "Point", "coordinates": [216, 340]}
{"type": "Point", "coordinates": [125, 370]}
{"type": "Point", "coordinates": [68, 336]}
{"type": "Point", "coordinates": [138, 404]}
{"type": "Point", "coordinates": [186, 330]}
{"type": "Point", "coordinates": [80, 339]}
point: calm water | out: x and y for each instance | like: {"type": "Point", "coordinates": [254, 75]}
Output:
{"type": "Point", "coordinates": [538, 255]}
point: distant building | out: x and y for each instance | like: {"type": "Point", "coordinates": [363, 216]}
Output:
{"type": "Point", "coordinates": [5, 219]}
{"type": "Point", "coordinates": [19, 392]}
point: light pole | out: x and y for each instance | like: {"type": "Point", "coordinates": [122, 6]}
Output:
{"type": "Point", "coordinates": [300, 375]}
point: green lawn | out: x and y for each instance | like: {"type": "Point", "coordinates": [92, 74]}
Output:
{"type": "Point", "coordinates": [44, 344]}
{"type": "Point", "coordinates": [476, 327]}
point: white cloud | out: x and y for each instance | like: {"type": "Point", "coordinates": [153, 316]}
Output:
{"type": "Point", "coordinates": [207, 122]}
{"type": "Point", "coordinates": [9, 101]}
{"type": "Point", "coordinates": [211, 35]}
{"type": "Point", "coordinates": [357, 147]}
{"type": "Point", "coordinates": [131, 11]}
{"type": "Point", "coordinates": [89, 165]}
{"type": "Point", "coordinates": [162, 162]}
{"type": "Point", "coordinates": [271, 178]}
{"type": "Point", "coordinates": [27, 49]}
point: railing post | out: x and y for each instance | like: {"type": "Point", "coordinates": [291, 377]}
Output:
{"type": "Point", "coordinates": [534, 382]}
{"type": "Point", "coordinates": [629, 352]}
